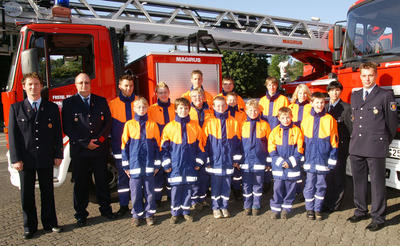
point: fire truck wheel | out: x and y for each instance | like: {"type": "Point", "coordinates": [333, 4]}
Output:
{"type": "Point", "coordinates": [112, 179]}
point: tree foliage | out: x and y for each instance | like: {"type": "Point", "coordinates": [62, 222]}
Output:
{"type": "Point", "coordinates": [295, 67]}
{"type": "Point", "coordinates": [248, 71]}
{"type": "Point", "coordinates": [273, 69]}
{"type": "Point", "coordinates": [296, 70]}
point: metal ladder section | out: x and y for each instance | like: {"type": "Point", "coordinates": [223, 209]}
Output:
{"type": "Point", "coordinates": [151, 21]}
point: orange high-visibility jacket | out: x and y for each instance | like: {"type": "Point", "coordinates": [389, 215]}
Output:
{"type": "Point", "coordinates": [182, 149]}
{"type": "Point", "coordinates": [321, 142]}
{"type": "Point", "coordinates": [270, 106]}
{"type": "Point", "coordinates": [159, 111]}
{"type": "Point", "coordinates": [299, 111]}
{"type": "Point", "coordinates": [121, 109]}
{"type": "Point", "coordinates": [285, 144]}
{"type": "Point", "coordinates": [140, 147]}
{"type": "Point", "coordinates": [223, 148]}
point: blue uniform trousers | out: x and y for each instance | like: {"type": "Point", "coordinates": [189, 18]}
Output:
{"type": "Point", "coordinates": [314, 191]}
{"type": "Point", "coordinates": [252, 189]}
{"type": "Point", "coordinates": [220, 191]}
{"type": "Point", "coordinates": [284, 195]}
{"type": "Point", "coordinates": [200, 188]}
{"type": "Point", "coordinates": [142, 187]}
{"type": "Point", "coordinates": [123, 184]}
{"type": "Point", "coordinates": [181, 199]}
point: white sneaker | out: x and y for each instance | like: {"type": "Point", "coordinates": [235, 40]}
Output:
{"type": "Point", "coordinates": [225, 213]}
{"type": "Point", "coordinates": [217, 214]}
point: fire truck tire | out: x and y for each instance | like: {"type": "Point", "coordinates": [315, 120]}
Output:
{"type": "Point", "coordinates": [112, 180]}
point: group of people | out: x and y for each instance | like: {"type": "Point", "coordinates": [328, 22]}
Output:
{"type": "Point", "coordinates": [201, 142]}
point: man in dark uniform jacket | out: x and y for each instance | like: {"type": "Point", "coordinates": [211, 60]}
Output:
{"type": "Point", "coordinates": [87, 122]}
{"type": "Point", "coordinates": [35, 142]}
{"type": "Point", "coordinates": [374, 116]}
{"type": "Point", "coordinates": [336, 178]}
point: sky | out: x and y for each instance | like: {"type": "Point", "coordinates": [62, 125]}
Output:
{"type": "Point", "coordinates": [328, 12]}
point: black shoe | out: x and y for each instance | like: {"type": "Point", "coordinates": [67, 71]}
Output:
{"type": "Point", "coordinates": [355, 218]}
{"type": "Point", "coordinates": [310, 215]}
{"type": "Point", "coordinates": [56, 229]}
{"type": "Point", "coordinates": [81, 222]}
{"type": "Point", "coordinates": [109, 215]}
{"type": "Point", "coordinates": [122, 211]}
{"type": "Point", "coordinates": [373, 226]}
{"type": "Point", "coordinates": [28, 234]}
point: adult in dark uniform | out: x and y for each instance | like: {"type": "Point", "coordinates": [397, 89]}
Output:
{"type": "Point", "coordinates": [336, 178]}
{"type": "Point", "coordinates": [87, 122]}
{"type": "Point", "coordinates": [374, 117]}
{"type": "Point", "coordinates": [35, 141]}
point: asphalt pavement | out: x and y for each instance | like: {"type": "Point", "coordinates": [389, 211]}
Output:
{"type": "Point", "coordinates": [205, 230]}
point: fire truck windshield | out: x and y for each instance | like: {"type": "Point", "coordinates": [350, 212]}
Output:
{"type": "Point", "coordinates": [373, 30]}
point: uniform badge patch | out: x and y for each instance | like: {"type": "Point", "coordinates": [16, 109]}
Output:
{"type": "Point", "coordinates": [76, 119]}
{"type": "Point", "coordinates": [375, 111]}
{"type": "Point", "coordinates": [102, 117]}
{"type": "Point", "coordinates": [50, 125]}
{"type": "Point", "coordinates": [393, 106]}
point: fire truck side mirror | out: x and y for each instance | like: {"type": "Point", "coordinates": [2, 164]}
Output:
{"type": "Point", "coordinates": [337, 42]}
{"type": "Point", "coordinates": [29, 61]}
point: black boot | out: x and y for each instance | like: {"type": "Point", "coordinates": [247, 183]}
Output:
{"type": "Point", "coordinates": [122, 211]}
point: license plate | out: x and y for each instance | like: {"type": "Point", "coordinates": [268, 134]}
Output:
{"type": "Point", "coordinates": [394, 152]}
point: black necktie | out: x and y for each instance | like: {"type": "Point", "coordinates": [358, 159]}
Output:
{"type": "Point", "coordinates": [34, 107]}
{"type": "Point", "coordinates": [330, 108]}
{"type": "Point", "coordinates": [86, 100]}
{"type": "Point", "coordinates": [365, 95]}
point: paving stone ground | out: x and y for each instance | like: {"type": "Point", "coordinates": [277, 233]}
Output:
{"type": "Point", "coordinates": [205, 230]}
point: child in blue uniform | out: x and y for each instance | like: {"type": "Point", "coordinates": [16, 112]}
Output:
{"type": "Point", "coordinates": [255, 132]}
{"type": "Point", "coordinates": [321, 143]}
{"type": "Point", "coordinates": [141, 161]}
{"type": "Point", "coordinates": [182, 152]}
{"type": "Point", "coordinates": [240, 116]}
{"type": "Point", "coordinates": [285, 145]}
{"type": "Point", "coordinates": [222, 134]}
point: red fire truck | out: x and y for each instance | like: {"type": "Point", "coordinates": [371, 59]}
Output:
{"type": "Point", "coordinates": [89, 37]}
{"type": "Point", "coordinates": [59, 42]}
{"type": "Point", "coordinates": [372, 34]}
